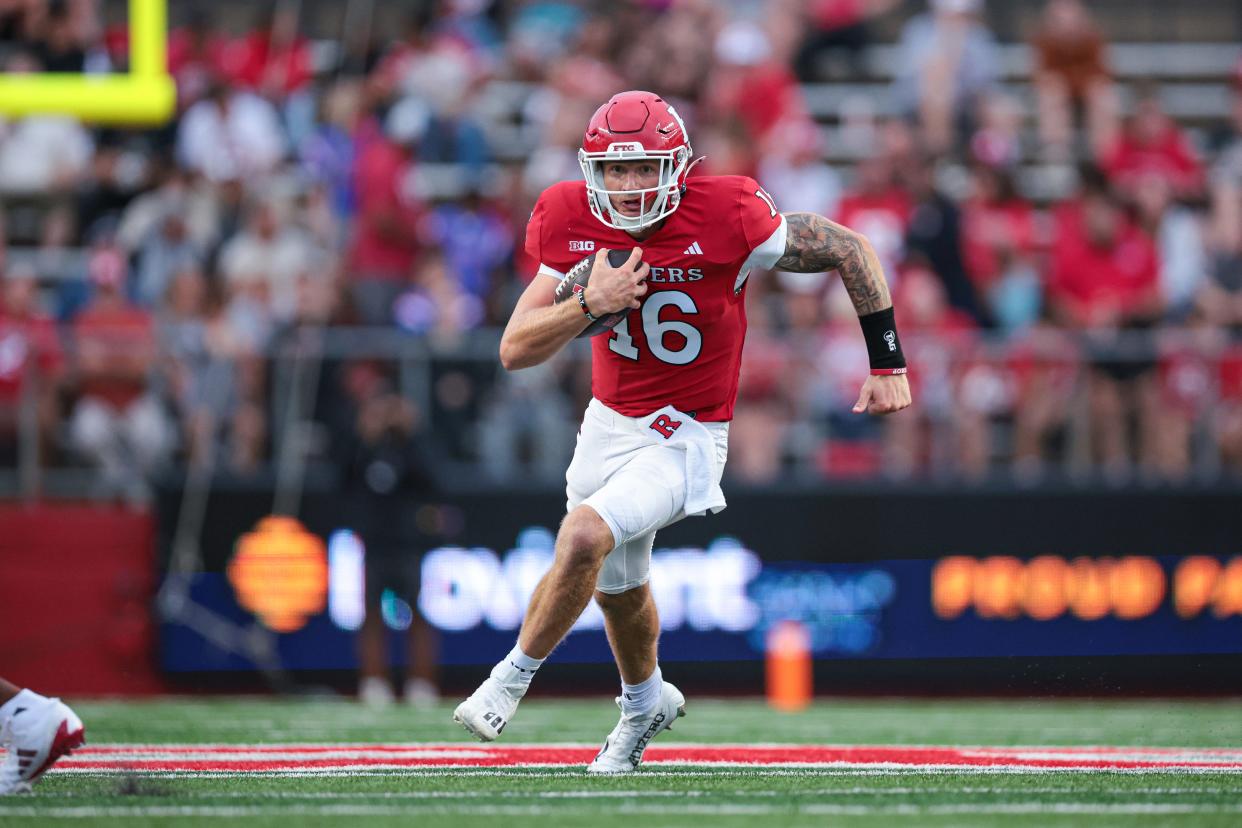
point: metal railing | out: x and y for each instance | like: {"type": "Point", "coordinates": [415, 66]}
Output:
{"type": "Point", "coordinates": [1041, 404]}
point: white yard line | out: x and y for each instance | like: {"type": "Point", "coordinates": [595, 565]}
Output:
{"type": "Point", "coordinates": [991, 790]}
{"type": "Point", "coordinates": [233, 812]}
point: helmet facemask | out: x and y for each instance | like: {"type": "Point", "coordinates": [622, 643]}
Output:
{"type": "Point", "coordinates": [664, 197]}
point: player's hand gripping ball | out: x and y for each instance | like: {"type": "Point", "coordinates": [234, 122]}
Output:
{"type": "Point", "coordinates": [576, 280]}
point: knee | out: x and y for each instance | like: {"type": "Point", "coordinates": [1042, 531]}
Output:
{"type": "Point", "coordinates": [623, 603]}
{"type": "Point", "coordinates": [584, 538]}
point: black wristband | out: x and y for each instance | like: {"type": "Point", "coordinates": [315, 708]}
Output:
{"type": "Point", "coordinates": [582, 303]}
{"type": "Point", "coordinates": [883, 346]}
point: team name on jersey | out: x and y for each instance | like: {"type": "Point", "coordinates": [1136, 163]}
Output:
{"type": "Point", "coordinates": [675, 274]}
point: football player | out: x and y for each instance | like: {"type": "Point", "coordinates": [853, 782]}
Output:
{"type": "Point", "coordinates": [36, 731]}
{"type": "Point", "coordinates": [654, 437]}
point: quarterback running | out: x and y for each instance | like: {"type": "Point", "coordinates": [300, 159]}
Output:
{"type": "Point", "coordinates": [653, 441]}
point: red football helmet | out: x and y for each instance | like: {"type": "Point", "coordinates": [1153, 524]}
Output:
{"type": "Point", "coordinates": [635, 126]}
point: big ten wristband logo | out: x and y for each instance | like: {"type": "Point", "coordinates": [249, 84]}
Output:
{"type": "Point", "coordinates": [891, 338]}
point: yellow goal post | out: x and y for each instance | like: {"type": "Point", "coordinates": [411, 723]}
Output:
{"type": "Point", "coordinates": [144, 96]}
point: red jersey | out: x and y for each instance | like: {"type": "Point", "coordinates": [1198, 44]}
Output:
{"type": "Point", "coordinates": [1097, 283]}
{"type": "Point", "coordinates": [884, 218]}
{"type": "Point", "coordinates": [115, 345]}
{"type": "Point", "coordinates": [26, 341]}
{"type": "Point", "coordinates": [1172, 157]}
{"type": "Point", "coordinates": [379, 251]}
{"type": "Point", "coordinates": [683, 347]}
{"type": "Point", "coordinates": [989, 230]}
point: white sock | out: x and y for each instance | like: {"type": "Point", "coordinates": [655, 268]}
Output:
{"type": "Point", "coordinates": [641, 697]}
{"type": "Point", "coordinates": [24, 698]}
{"type": "Point", "coordinates": [516, 670]}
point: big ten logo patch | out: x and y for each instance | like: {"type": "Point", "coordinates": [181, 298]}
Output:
{"type": "Point", "coordinates": [665, 425]}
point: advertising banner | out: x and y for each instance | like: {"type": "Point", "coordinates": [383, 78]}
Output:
{"type": "Point", "coordinates": [914, 575]}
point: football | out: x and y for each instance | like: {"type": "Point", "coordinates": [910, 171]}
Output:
{"type": "Point", "coordinates": [576, 280]}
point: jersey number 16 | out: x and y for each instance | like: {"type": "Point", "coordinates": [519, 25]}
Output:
{"type": "Point", "coordinates": [654, 328]}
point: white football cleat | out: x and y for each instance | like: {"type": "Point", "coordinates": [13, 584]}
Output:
{"type": "Point", "coordinates": [36, 735]}
{"type": "Point", "coordinates": [487, 711]}
{"type": "Point", "coordinates": [623, 750]}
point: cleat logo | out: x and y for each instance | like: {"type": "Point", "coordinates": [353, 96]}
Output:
{"type": "Point", "coordinates": [495, 720]}
{"type": "Point", "coordinates": [636, 755]}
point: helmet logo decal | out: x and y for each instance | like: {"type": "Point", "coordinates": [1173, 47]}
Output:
{"type": "Point", "coordinates": [635, 126]}
{"type": "Point", "coordinates": [680, 123]}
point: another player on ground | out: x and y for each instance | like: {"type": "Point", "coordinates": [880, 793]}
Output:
{"type": "Point", "coordinates": [35, 731]}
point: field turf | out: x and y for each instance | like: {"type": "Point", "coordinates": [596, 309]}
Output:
{"type": "Point", "coordinates": [280, 762]}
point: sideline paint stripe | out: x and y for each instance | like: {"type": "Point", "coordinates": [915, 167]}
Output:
{"type": "Point", "coordinates": [329, 757]}
{"type": "Point", "coordinates": [682, 772]}
{"type": "Point", "coordinates": [278, 747]}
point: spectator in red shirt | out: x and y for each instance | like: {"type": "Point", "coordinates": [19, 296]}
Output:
{"type": "Point", "coordinates": [1104, 269]}
{"type": "Point", "coordinates": [385, 242]}
{"type": "Point", "coordinates": [998, 247]}
{"type": "Point", "coordinates": [118, 423]}
{"type": "Point", "coordinates": [879, 209]}
{"type": "Point", "coordinates": [30, 361]}
{"type": "Point", "coordinates": [1153, 144]}
{"type": "Point", "coordinates": [197, 54]}
{"type": "Point", "coordinates": [273, 60]}
{"type": "Point", "coordinates": [1105, 278]}
{"type": "Point", "coordinates": [1227, 425]}
{"type": "Point", "coordinates": [751, 84]}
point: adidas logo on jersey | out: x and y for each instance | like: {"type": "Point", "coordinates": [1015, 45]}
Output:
{"type": "Point", "coordinates": [693, 250]}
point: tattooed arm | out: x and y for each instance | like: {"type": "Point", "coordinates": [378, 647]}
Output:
{"type": "Point", "coordinates": [815, 244]}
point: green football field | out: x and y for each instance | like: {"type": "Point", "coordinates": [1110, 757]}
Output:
{"type": "Point", "coordinates": [843, 762]}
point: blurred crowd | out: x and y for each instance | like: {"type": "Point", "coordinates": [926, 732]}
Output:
{"type": "Point", "coordinates": [310, 188]}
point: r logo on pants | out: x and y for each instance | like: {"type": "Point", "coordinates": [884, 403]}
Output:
{"type": "Point", "coordinates": [666, 425]}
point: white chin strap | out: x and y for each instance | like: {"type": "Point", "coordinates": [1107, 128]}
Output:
{"type": "Point", "coordinates": [667, 193]}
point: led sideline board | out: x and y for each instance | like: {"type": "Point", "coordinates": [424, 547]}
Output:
{"type": "Point", "coordinates": [146, 95]}
{"type": "Point", "coordinates": [973, 576]}
{"type": "Point", "coordinates": [718, 602]}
